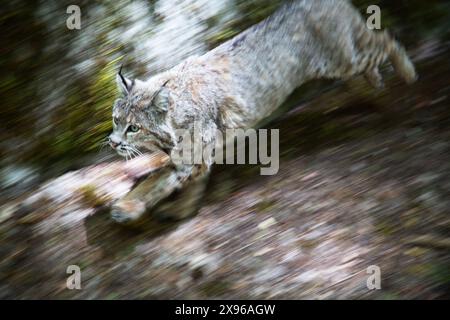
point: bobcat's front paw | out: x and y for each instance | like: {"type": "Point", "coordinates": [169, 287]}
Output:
{"type": "Point", "coordinates": [126, 211]}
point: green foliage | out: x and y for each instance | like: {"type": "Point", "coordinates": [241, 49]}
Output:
{"type": "Point", "coordinates": [38, 55]}
{"type": "Point", "coordinates": [85, 118]}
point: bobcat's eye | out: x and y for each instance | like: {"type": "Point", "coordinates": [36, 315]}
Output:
{"type": "Point", "coordinates": [133, 128]}
{"type": "Point", "coordinates": [116, 121]}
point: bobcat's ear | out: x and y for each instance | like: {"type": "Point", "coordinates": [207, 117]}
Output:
{"type": "Point", "coordinates": [161, 99]}
{"type": "Point", "coordinates": [123, 84]}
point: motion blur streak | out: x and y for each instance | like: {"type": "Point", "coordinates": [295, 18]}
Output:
{"type": "Point", "coordinates": [364, 174]}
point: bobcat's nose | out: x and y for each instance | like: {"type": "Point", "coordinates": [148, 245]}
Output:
{"type": "Point", "coordinates": [114, 143]}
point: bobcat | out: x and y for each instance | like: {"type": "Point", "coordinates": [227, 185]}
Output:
{"type": "Point", "coordinates": [238, 84]}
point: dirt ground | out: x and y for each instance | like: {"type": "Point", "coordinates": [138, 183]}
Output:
{"type": "Point", "coordinates": [364, 180]}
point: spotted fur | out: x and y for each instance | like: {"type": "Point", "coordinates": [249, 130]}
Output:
{"type": "Point", "coordinates": [242, 81]}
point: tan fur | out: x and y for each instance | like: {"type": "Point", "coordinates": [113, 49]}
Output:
{"type": "Point", "coordinates": [244, 80]}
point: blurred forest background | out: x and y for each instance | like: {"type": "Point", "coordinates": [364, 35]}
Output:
{"type": "Point", "coordinates": [58, 86]}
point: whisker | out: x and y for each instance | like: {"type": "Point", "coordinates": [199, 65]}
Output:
{"type": "Point", "coordinates": [138, 153]}
{"type": "Point", "coordinates": [103, 144]}
{"type": "Point", "coordinates": [130, 149]}
{"type": "Point", "coordinates": [101, 147]}
{"type": "Point", "coordinates": [133, 152]}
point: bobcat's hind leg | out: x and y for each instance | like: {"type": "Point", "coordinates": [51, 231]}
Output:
{"type": "Point", "coordinates": [394, 53]}
{"type": "Point", "coordinates": [374, 49]}
{"type": "Point", "coordinates": [374, 78]}
{"type": "Point", "coordinates": [401, 62]}
{"type": "Point", "coordinates": [183, 203]}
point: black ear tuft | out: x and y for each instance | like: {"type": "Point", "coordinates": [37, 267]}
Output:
{"type": "Point", "coordinates": [124, 84]}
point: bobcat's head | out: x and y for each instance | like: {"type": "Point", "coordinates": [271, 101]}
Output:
{"type": "Point", "coordinates": [139, 116]}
